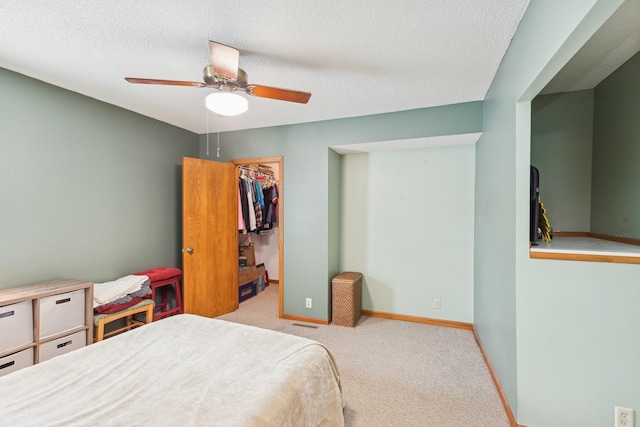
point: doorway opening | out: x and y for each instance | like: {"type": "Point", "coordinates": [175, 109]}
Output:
{"type": "Point", "coordinates": [274, 263]}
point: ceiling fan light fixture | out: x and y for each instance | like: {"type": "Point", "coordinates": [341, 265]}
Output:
{"type": "Point", "coordinates": [226, 103]}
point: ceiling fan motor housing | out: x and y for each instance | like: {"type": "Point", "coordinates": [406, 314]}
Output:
{"type": "Point", "coordinates": [213, 79]}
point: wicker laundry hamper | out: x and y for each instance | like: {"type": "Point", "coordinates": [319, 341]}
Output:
{"type": "Point", "coordinates": [346, 290]}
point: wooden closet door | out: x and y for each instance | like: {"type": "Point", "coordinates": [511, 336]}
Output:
{"type": "Point", "coordinates": [210, 237]}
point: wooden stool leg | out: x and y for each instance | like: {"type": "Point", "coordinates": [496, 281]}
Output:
{"type": "Point", "coordinates": [100, 331]}
{"type": "Point", "coordinates": [149, 314]}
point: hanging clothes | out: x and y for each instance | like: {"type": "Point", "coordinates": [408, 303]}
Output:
{"type": "Point", "coordinates": [270, 195]}
{"type": "Point", "coordinates": [241, 225]}
{"type": "Point", "coordinates": [257, 195]}
{"type": "Point", "coordinates": [243, 203]}
{"type": "Point", "coordinates": [256, 202]}
{"type": "Point", "coordinates": [252, 212]}
{"type": "Point", "coordinates": [260, 194]}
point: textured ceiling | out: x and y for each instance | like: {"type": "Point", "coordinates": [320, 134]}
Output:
{"type": "Point", "coordinates": [356, 57]}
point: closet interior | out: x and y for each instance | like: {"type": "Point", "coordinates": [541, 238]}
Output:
{"type": "Point", "coordinates": [258, 227]}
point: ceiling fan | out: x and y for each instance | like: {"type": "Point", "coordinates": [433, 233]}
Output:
{"type": "Point", "coordinates": [225, 75]}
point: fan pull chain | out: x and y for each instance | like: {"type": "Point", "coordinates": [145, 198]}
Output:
{"type": "Point", "coordinates": [218, 153]}
{"type": "Point", "coordinates": [207, 113]}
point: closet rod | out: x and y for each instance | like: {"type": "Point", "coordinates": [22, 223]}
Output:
{"type": "Point", "coordinates": [257, 168]}
{"type": "Point", "coordinates": [258, 171]}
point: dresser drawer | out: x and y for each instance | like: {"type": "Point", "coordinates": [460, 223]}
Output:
{"type": "Point", "coordinates": [16, 325]}
{"type": "Point", "coordinates": [61, 312]}
{"type": "Point", "coordinates": [16, 361]}
{"type": "Point", "coordinates": [62, 345]}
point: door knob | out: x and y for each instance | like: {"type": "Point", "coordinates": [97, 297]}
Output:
{"type": "Point", "coordinates": [189, 250]}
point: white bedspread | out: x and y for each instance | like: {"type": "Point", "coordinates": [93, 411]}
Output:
{"type": "Point", "coordinates": [184, 370]}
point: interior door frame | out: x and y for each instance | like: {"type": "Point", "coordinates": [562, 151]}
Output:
{"type": "Point", "coordinates": [279, 160]}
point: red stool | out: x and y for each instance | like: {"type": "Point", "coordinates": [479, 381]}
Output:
{"type": "Point", "coordinates": [161, 279]}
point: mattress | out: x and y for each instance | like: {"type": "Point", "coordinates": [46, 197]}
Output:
{"type": "Point", "coordinates": [183, 370]}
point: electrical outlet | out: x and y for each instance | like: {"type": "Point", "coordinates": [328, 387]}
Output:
{"type": "Point", "coordinates": [624, 417]}
{"type": "Point", "coordinates": [309, 303]}
{"type": "Point", "coordinates": [436, 303]}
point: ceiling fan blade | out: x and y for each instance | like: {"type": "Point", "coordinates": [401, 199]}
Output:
{"type": "Point", "coordinates": [163, 82]}
{"type": "Point", "coordinates": [224, 59]}
{"type": "Point", "coordinates": [277, 93]}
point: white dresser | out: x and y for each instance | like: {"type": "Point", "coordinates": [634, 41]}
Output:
{"type": "Point", "coordinates": [41, 321]}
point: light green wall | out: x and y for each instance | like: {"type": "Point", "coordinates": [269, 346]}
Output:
{"type": "Point", "coordinates": [502, 185]}
{"type": "Point", "coordinates": [550, 328]}
{"type": "Point", "coordinates": [576, 359]}
{"type": "Point", "coordinates": [561, 146]}
{"type": "Point", "coordinates": [307, 184]}
{"type": "Point", "coordinates": [616, 153]}
{"type": "Point", "coordinates": [573, 315]}
{"type": "Point", "coordinates": [334, 206]}
{"type": "Point", "coordinates": [407, 225]}
{"type": "Point", "coordinates": [90, 191]}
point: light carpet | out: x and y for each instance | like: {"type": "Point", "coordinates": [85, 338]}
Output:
{"type": "Point", "coordinates": [396, 373]}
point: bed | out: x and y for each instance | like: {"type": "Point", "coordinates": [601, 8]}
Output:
{"type": "Point", "coordinates": [183, 370]}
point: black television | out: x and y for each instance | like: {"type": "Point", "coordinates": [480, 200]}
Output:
{"type": "Point", "coordinates": [534, 216]}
